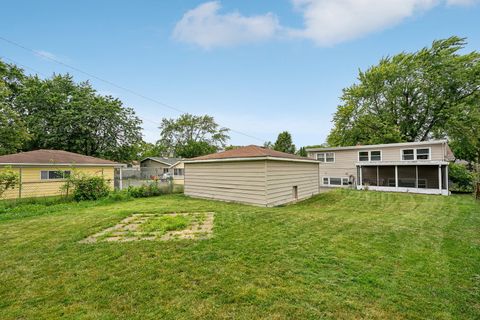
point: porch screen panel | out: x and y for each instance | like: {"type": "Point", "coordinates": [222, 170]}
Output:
{"type": "Point", "coordinates": [386, 176]}
{"type": "Point", "coordinates": [428, 177]}
{"type": "Point", "coordinates": [444, 178]}
{"type": "Point", "coordinates": [407, 177]}
{"type": "Point", "coordinates": [369, 176]}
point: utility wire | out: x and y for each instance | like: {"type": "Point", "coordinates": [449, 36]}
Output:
{"type": "Point", "coordinates": [35, 52]}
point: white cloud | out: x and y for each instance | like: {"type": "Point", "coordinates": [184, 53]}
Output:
{"type": "Point", "coordinates": [206, 27]}
{"type": "Point", "coordinates": [325, 22]}
{"type": "Point", "coordinates": [328, 22]}
{"type": "Point", "coordinates": [461, 2]}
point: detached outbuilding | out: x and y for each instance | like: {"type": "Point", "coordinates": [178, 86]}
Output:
{"type": "Point", "coordinates": [252, 175]}
{"type": "Point", "coordinates": [43, 172]}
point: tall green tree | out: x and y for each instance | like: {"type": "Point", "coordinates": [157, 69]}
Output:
{"type": "Point", "coordinates": [302, 152]}
{"type": "Point", "coordinates": [431, 93]}
{"type": "Point", "coordinates": [13, 131]}
{"type": "Point", "coordinates": [190, 136]}
{"type": "Point", "coordinates": [62, 114]}
{"type": "Point", "coordinates": [284, 143]}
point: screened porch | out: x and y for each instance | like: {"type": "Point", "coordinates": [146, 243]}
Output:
{"type": "Point", "coordinates": [419, 178]}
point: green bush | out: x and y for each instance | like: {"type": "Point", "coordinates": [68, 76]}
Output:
{"type": "Point", "coordinates": [150, 190]}
{"type": "Point", "coordinates": [462, 179]}
{"type": "Point", "coordinates": [122, 195]}
{"type": "Point", "coordinates": [87, 187]}
{"type": "Point", "coordinates": [8, 179]}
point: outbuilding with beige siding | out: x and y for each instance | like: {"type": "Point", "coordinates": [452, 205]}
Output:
{"type": "Point", "coordinates": [43, 172]}
{"type": "Point", "coordinates": [252, 175]}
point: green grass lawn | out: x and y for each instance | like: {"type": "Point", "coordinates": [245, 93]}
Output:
{"type": "Point", "coordinates": [343, 254]}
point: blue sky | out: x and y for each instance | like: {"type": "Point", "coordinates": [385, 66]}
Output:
{"type": "Point", "coordinates": [259, 67]}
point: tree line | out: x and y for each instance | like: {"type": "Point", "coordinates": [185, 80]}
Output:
{"type": "Point", "coordinates": [429, 94]}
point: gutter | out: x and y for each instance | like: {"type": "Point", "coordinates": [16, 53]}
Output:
{"type": "Point", "coordinates": [252, 159]}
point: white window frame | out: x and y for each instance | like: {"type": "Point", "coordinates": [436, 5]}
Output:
{"type": "Point", "coordinates": [48, 174]}
{"type": "Point", "coordinates": [344, 181]}
{"type": "Point", "coordinates": [415, 154]}
{"type": "Point", "coordinates": [324, 160]}
{"type": "Point", "coordinates": [176, 170]}
{"type": "Point", "coordinates": [429, 154]}
{"type": "Point", "coordinates": [369, 155]}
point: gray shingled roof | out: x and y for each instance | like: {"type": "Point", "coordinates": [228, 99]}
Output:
{"type": "Point", "coordinates": [169, 161]}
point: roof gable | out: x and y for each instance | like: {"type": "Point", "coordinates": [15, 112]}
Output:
{"type": "Point", "coordinates": [166, 161]}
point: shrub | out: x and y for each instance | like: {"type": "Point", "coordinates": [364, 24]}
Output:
{"type": "Point", "coordinates": [8, 179]}
{"type": "Point", "coordinates": [87, 187]}
{"type": "Point", "coordinates": [122, 195]}
{"type": "Point", "coordinates": [150, 190]}
{"type": "Point", "coordinates": [462, 179]}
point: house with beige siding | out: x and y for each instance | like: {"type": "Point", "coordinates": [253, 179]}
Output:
{"type": "Point", "coordinates": [252, 175]}
{"type": "Point", "coordinates": [161, 166]}
{"type": "Point", "coordinates": [43, 173]}
{"type": "Point", "coordinates": [419, 167]}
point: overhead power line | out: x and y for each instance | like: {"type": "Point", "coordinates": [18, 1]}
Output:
{"type": "Point", "coordinates": [169, 106]}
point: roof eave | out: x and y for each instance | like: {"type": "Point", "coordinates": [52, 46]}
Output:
{"type": "Point", "coordinates": [370, 146]}
{"type": "Point", "coordinates": [16, 164]}
{"type": "Point", "coordinates": [251, 159]}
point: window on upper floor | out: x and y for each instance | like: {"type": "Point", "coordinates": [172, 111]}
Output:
{"type": "Point", "coordinates": [363, 156]}
{"type": "Point", "coordinates": [375, 155]}
{"type": "Point", "coordinates": [423, 154]}
{"type": "Point", "coordinates": [326, 156]}
{"type": "Point", "coordinates": [178, 172]}
{"type": "Point", "coordinates": [416, 154]}
{"type": "Point", "coordinates": [408, 154]}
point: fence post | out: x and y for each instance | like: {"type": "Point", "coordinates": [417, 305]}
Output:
{"type": "Point", "coordinates": [20, 183]}
{"type": "Point", "coordinates": [120, 183]}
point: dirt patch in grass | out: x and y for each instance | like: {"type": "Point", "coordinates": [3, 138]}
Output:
{"type": "Point", "coordinates": [155, 226]}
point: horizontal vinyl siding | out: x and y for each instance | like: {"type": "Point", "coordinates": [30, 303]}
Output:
{"type": "Point", "coordinates": [283, 175]}
{"type": "Point", "coordinates": [344, 165]}
{"type": "Point", "coordinates": [33, 186]}
{"type": "Point", "coordinates": [239, 181]}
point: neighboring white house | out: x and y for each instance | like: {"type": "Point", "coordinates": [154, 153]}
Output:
{"type": "Point", "coordinates": [161, 166]}
{"type": "Point", "coordinates": [420, 167]}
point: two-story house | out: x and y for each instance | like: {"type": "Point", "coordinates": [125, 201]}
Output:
{"type": "Point", "coordinates": [420, 167]}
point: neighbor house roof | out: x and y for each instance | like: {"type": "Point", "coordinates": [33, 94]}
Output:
{"type": "Point", "coordinates": [166, 161]}
{"type": "Point", "coordinates": [251, 152]}
{"type": "Point", "coordinates": [58, 157]}
{"type": "Point", "coordinates": [386, 145]}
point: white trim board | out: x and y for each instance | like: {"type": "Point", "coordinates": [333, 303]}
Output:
{"type": "Point", "coordinates": [252, 159]}
{"type": "Point", "coordinates": [376, 146]}
{"type": "Point", "coordinates": [405, 190]}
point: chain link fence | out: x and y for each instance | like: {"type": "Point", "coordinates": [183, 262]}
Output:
{"type": "Point", "coordinates": [137, 177]}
